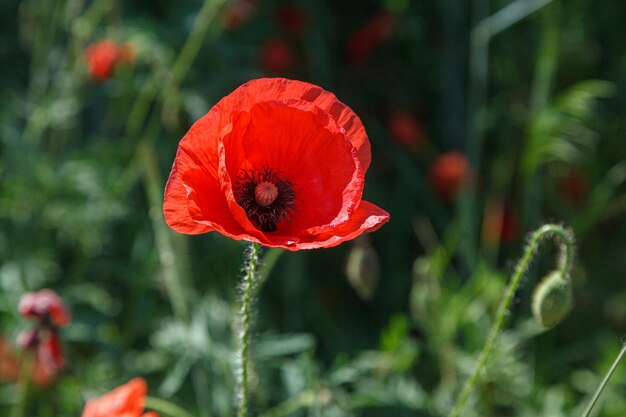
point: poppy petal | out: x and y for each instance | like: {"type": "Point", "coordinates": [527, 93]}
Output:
{"type": "Point", "coordinates": [175, 206]}
{"type": "Point", "coordinates": [367, 218]}
{"type": "Point", "coordinates": [268, 89]}
{"type": "Point", "coordinates": [128, 399]}
{"type": "Point", "coordinates": [303, 144]}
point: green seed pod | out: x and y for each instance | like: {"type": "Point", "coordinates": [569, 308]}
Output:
{"type": "Point", "coordinates": [362, 270]}
{"type": "Point", "coordinates": [552, 299]}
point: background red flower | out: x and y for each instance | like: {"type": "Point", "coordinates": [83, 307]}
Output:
{"type": "Point", "coordinates": [308, 150]}
{"type": "Point", "coordinates": [103, 56]}
{"type": "Point", "coordinates": [127, 400]}
{"type": "Point", "coordinates": [277, 56]}
{"type": "Point", "coordinates": [448, 174]}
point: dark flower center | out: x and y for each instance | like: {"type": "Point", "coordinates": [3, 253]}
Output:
{"type": "Point", "coordinates": [266, 198]}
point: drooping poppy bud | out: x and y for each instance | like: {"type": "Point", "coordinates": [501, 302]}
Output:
{"type": "Point", "coordinates": [552, 299]}
{"type": "Point", "coordinates": [362, 268]}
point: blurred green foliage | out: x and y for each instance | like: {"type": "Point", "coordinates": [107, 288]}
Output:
{"type": "Point", "coordinates": [537, 103]}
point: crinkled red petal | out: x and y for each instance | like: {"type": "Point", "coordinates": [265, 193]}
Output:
{"type": "Point", "coordinates": [276, 89]}
{"type": "Point", "coordinates": [367, 218]}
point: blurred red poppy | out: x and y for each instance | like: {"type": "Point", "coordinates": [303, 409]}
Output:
{"type": "Point", "coordinates": [406, 130]}
{"type": "Point", "coordinates": [127, 400]}
{"type": "Point", "coordinates": [292, 19]}
{"type": "Point", "coordinates": [449, 173]}
{"type": "Point", "coordinates": [237, 12]}
{"type": "Point", "coordinates": [103, 56]}
{"type": "Point", "coordinates": [501, 223]}
{"type": "Point", "coordinates": [45, 306]}
{"type": "Point", "coordinates": [575, 186]}
{"type": "Point", "coordinates": [277, 56]}
{"type": "Point", "coordinates": [361, 42]}
{"type": "Point", "coordinates": [278, 162]}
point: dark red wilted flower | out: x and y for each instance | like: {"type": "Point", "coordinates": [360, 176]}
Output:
{"type": "Point", "coordinates": [103, 56]}
{"type": "Point", "coordinates": [277, 56]}
{"type": "Point", "coordinates": [47, 350]}
{"type": "Point", "coordinates": [449, 173]}
{"type": "Point", "coordinates": [50, 354]}
{"type": "Point", "coordinates": [127, 400]}
{"type": "Point", "coordinates": [292, 19]}
{"type": "Point", "coordinates": [501, 223]}
{"type": "Point", "coordinates": [45, 306]}
{"type": "Point", "coordinates": [361, 42]}
{"type": "Point", "coordinates": [406, 130]}
{"type": "Point", "coordinates": [278, 162]}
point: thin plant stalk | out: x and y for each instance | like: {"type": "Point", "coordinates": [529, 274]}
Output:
{"type": "Point", "coordinates": [247, 296]}
{"type": "Point", "coordinates": [595, 397]}
{"type": "Point", "coordinates": [564, 265]}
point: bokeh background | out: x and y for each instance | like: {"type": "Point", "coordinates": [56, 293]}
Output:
{"type": "Point", "coordinates": [486, 118]}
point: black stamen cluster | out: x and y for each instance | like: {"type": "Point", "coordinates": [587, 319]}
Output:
{"type": "Point", "coordinates": [265, 218]}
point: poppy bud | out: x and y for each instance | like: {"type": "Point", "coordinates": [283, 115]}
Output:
{"type": "Point", "coordinates": [362, 269]}
{"type": "Point", "coordinates": [552, 299]}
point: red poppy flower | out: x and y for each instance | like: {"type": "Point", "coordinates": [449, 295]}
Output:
{"type": "Point", "coordinates": [277, 57]}
{"type": "Point", "coordinates": [575, 186]}
{"type": "Point", "coordinates": [127, 400]}
{"type": "Point", "coordinates": [406, 130]}
{"type": "Point", "coordinates": [361, 42]}
{"type": "Point", "coordinates": [278, 162]}
{"type": "Point", "coordinates": [501, 223]}
{"type": "Point", "coordinates": [448, 174]}
{"type": "Point", "coordinates": [102, 57]}
{"type": "Point", "coordinates": [292, 19]}
{"type": "Point", "coordinates": [45, 306]}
